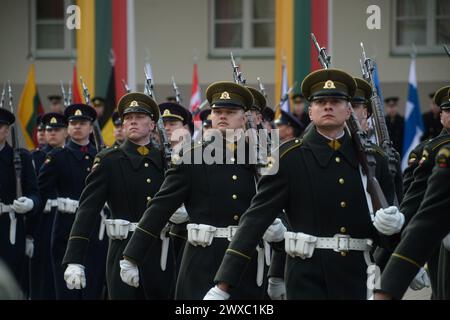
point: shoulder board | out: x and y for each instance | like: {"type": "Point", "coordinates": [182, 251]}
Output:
{"type": "Point", "coordinates": [438, 141]}
{"type": "Point", "coordinates": [104, 154]}
{"type": "Point", "coordinates": [290, 145]}
{"type": "Point", "coordinates": [443, 157]}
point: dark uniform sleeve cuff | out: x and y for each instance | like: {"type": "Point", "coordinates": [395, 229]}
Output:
{"type": "Point", "coordinates": [138, 245]}
{"type": "Point", "coordinates": [398, 274]}
{"type": "Point", "coordinates": [76, 250]}
{"type": "Point", "coordinates": [232, 268]}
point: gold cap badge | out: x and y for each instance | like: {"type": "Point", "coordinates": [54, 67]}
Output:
{"type": "Point", "coordinates": [78, 112]}
{"type": "Point", "coordinates": [225, 95]}
{"type": "Point", "coordinates": [134, 103]}
{"type": "Point", "coordinates": [329, 85]}
{"type": "Point", "coordinates": [53, 120]}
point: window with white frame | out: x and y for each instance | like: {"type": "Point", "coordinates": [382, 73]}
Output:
{"type": "Point", "coordinates": [424, 23]}
{"type": "Point", "coordinates": [246, 27]}
{"type": "Point", "coordinates": [49, 36]}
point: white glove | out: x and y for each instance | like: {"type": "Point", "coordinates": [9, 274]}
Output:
{"type": "Point", "coordinates": [275, 232]}
{"type": "Point", "coordinates": [276, 289]}
{"type": "Point", "coordinates": [389, 221]}
{"type": "Point", "coordinates": [180, 216]}
{"type": "Point", "coordinates": [446, 242]}
{"type": "Point", "coordinates": [420, 281]}
{"type": "Point", "coordinates": [74, 276]}
{"type": "Point", "coordinates": [29, 247]}
{"type": "Point", "coordinates": [22, 205]}
{"type": "Point", "coordinates": [129, 273]}
{"type": "Point", "coordinates": [215, 293]}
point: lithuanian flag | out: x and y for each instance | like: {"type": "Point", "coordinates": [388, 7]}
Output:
{"type": "Point", "coordinates": [294, 22]}
{"type": "Point", "coordinates": [29, 108]}
{"type": "Point", "coordinates": [96, 39]}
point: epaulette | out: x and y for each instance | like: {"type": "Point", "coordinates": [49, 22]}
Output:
{"type": "Point", "coordinates": [438, 141]}
{"type": "Point", "coordinates": [289, 145]}
{"type": "Point", "coordinates": [102, 154]}
{"type": "Point", "coordinates": [186, 150]}
{"type": "Point", "coordinates": [443, 157]}
{"type": "Point", "coordinates": [49, 157]}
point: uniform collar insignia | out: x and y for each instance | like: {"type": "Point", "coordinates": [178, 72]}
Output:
{"type": "Point", "coordinates": [143, 150]}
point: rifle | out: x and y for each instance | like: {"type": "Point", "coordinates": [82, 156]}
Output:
{"type": "Point", "coordinates": [446, 50]}
{"type": "Point", "coordinates": [126, 87]}
{"type": "Point", "coordinates": [323, 57]}
{"type": "Point", "coordinates": [63, 91]}
{"type": "Point", "coordinates": [166, 146]}
{"type": "Point", "coordinates": [285, 96]}
{"type": "Point", "coordinates": [177, 92]}
{"type": "Point", "coordinates": [237, 74]}
{"type": "Point", "coordinates": [99, 143]}
{"type": "Point", "coordinates": [200, 108]}
{"type": "Point", "coordinates": [365, 151]}
{"type": "Point", "coordinates": [264, 93]}
{"type": "Point", "coordinates": [15, 145]}
{"type": "Point", "coordinates": [382, 133]}
{"type": "Point", "coordinates": [250, 125]}
{"type": "Point", "coordinates": [69, 96]}
{"type": "Point", "coordinates": [2, 101]}
{"type": "Point", "coordinates": [261, 87]}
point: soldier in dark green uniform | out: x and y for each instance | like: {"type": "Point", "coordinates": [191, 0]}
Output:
{"type": "Point", "coordinates": [422, 235]}
{"type": "Point", "coordinates": [424, 164]}
{"type": "Point", "coordinates": [176, 122]}
{"type": "Point", "coordinates": [215, 194]}
{"type": "Point", "coordinates": [126, 178]}
{"type": "Point", "coordinates": [319, 186]}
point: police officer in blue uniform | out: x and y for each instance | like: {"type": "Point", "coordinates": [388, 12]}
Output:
{"type": "Point", "coordinates": [64, 173]}
{"type": "Point", "coordinates": [13, 209]}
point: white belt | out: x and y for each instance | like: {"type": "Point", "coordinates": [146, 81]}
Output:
{"type": "Point", "coordinates": [51, 203]}
{"type": "Point", "coordinates": [203, 234]}
{"type": "Point", "coordinates": [343, 243]}
{"type": "Point", "coordinates": [303, 245]}
{"type": "Point", "coordinates": [67, 205]}
{"type": "Point", "coordinates": [6, 208]}
{"type": "Point", "coordinates": [118, 229]}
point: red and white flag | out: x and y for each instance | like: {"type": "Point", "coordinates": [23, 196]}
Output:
{"type": "Point", "coordinates": [196, 98]}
